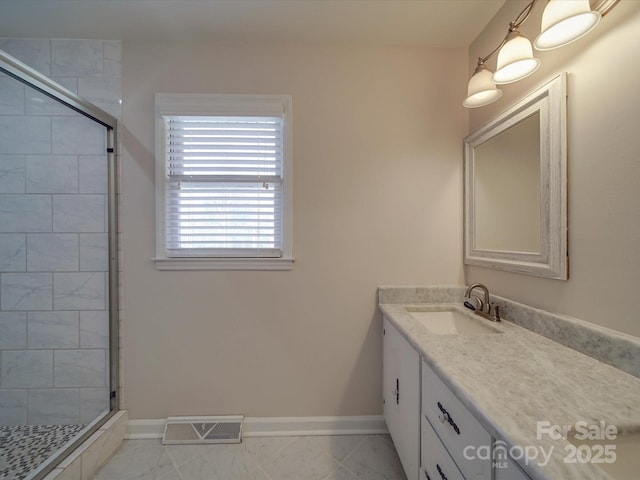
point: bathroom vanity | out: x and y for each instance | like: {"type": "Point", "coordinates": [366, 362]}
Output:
{"type": "Point", "coordinates": [465, 398]}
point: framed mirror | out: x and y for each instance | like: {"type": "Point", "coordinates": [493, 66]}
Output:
{"type": "Point", "coordinates": [515, 187]}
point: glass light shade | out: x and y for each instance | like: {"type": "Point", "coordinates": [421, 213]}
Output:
{"type": "Point", "coordinates": [481, 90]}
{"type": "Point", "coordinates": [515, 59]}
{"type": "Point", "coordinates": [564, 21]}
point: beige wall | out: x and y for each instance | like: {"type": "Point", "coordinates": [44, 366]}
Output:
{"type": "Point", "coordinates": [603, 168]}
{"type": "Point", "coordinates": [377, 200]}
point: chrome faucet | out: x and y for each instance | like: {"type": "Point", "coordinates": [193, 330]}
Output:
{"type": "Point", "coordinates": [483, 307]}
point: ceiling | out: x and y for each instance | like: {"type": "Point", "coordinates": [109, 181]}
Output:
{"type": "Point", "coordinates": [434, 23]}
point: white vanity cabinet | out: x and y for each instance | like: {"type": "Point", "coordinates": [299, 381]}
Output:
{"type": "Point", "coordinates": [401, 397]}
{"type": "Point", "coordinates": [436, 437]}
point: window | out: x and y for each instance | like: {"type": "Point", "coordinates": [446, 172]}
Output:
{"type": "Point", "coordinates": [223, 182]}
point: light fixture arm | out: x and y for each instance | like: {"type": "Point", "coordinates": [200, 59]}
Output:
{"type": "Point", "coordinates": [522, 16]}
{"type": "Point", "coordinates": [482, 60]}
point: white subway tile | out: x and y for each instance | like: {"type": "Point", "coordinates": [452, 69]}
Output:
{"type": "Point", "coordinates": [11, 96]}
{"type": "Point", "coordinates": [77, 58]}
{"type": "Point", "coordinates": [54, 407]}
{"type": "Point", "coordinates": [12, 174]}
{"type": "Point", "coordinates": [94, 252]}
{"type": "Point", "coordinates": [26, 291]}
{"type": "Point", "coordinates": [25, 135]}
{"type": "Point", "coordinates": [53, 330]}
{"type": "Point", "coordinates": [34, 52]}
{"type": "Point", "coordinates": [25, 213]}
{"type": "Point", "coordinates": [12, 252]}
{"type": "Point", "coordinates": [77, 135]}
{"type": "Point", "coordinates": [52, 174]}
{"type": "Point", "coordinates": [93, 402]}
{"type": "Point", "coordinates": [79, 291]}
{"type": "Point", "coordinates": [52, 252]}
{"type": "Point", "coordinates": [13, 330]}
{"type": "Point", "coordinates": [93, 173]}
{"type": "Point", "coordinates": [112, 58]}
{"type": "Point", "coordinates": [79, 368]}
{"type": "Point", "coordinates": [26, 368]}
{"type": "Point", "coordinates": [13, 407]}
{"type": "Point", "coordinates": [79, 213]}
{"type": "Point", "coordinates": [94, 329]}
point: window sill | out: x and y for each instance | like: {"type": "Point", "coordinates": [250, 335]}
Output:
{"type": "Point", "coordinates": [224, 263]}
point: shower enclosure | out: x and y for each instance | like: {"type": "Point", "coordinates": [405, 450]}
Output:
{"type": "Point", "coordinates": [58, 271]}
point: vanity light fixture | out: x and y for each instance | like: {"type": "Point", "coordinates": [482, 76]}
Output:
{"type": "Point", "coordinates": [515, 59]}
{"type": "Point", "coordinates": [563, 21]}
{"type": "Point", "coordinates": [481, 91]}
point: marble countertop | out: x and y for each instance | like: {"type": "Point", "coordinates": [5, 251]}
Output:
{"type": "Point", "coordinates": [512, 380]}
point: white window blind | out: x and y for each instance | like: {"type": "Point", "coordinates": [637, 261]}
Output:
{"type": "Point", "coordinates": [224, 186]}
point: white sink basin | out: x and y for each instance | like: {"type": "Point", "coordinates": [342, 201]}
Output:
{"type": "Point", "coordinates": [627, 455]}
{"type": "Point", "coordinates": [450, 322]}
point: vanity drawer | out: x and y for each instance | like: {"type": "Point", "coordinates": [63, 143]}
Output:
{"type": "Point", "coordinates": [455, 425]}
{"type": "Point", "coordinates": [436, 464]}
{"type": "Point", "coordinates": [507, 469]}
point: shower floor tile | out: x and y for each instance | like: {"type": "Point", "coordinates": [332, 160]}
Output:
{"type": "Point", "coordinates": [24, 448]}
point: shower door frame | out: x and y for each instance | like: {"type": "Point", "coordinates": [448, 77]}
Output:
{"type": "Point", "coordinates": [34, 79]}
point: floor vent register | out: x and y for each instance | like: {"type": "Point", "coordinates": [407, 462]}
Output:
{"type": "Point", "coordinates": [203, 430]}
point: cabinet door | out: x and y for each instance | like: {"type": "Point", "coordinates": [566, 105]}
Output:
{"type": "Point", "coordinates": [401, 397]}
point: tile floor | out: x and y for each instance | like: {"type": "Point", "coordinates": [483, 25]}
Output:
{"type": "Point", "coordinates": [341, 457]}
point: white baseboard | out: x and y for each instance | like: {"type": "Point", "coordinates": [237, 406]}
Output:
{"type": "Point", "coordinates": [287, 426]}
{"type": "Point", "coordinates": [279, 426]}
{"type": "Point", "coordinates": [141, 429]}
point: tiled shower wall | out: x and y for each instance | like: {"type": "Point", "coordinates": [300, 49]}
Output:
{"type": "Point", "coordinates": [53, 236]}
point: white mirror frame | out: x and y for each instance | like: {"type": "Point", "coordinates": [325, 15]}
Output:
{"type": "Point", "coordinates": [552, 262]}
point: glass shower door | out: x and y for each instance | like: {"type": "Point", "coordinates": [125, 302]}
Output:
{"type": "Point", "coordinates": [54, 277]}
